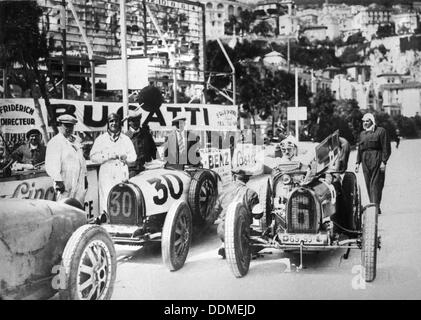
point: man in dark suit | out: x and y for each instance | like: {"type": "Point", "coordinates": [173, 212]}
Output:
{"type": "Point", "coordinates": [32, 152]}
{"type": "Point", "coordinates": [182, 146]}
{"type": "Point", "coordinates": [143, 142]}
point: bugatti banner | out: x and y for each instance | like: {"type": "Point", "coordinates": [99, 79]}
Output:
{"type": "Point", "coordinates": [17, 115]}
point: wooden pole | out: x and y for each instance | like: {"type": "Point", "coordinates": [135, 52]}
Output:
{"type": "Point", "coordinates": [123, 44]}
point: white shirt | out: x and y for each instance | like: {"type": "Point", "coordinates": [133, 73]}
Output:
{"type": "Point", "coordinates": [64, 158]}
{"type": "Point", "coordinates": [64, 161]}
{"type": "Point", "coordinates": [104, 148]}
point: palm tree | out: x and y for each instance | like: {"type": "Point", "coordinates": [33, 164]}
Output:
{"type": "Point", "coordinates": [23, 43]}
{"type": "Point", "coordinates": [231, 25]}
{"type": "Point", "coordinates": [246, 19]}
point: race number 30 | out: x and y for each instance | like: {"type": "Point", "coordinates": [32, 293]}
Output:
{"type": "Point", "coordinates": [163, 189]}
{"type": "Point", "coordinates": [121, 203]}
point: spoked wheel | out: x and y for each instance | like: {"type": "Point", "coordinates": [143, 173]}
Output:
{"type": "Point", "coordinates": [351, 211]}
{"type": "Point", "coordinates": [203, 192]}
{"type": "Point", "coordinates": [176, 235]}
{"type": "Point", "coordinates": [89, 263]}
{"type": "Point", "coordinates": [237, 239]}
{"type": "Point", "coordinates": [369, 243]}
{"type": "Point", "coordinates": [265, 197]}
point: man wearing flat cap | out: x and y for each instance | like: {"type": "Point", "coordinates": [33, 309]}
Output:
{"type": "Point", "coordinates": [114, 151]}
{"type": "Point", "coordinates": [143, 142]}
{"type": "Point", "coordinates": [236, 191]}
{"type": "Point", "coordinates": [64, 161]}
{"type": "Point", "coordinates": [373, 152]}
{"type": "Point", "coordinates": [32, 152]}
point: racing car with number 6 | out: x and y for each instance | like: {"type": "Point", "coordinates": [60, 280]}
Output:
{"type": "Point", "coordinates": [300, 210]}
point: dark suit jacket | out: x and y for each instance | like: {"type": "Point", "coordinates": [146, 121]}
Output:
{"type": "Point", "coordinates": [145, 147]}
{"type": "Point", "coordinates": [24, 154]}
{"type": "Point", "coordinates": [190, 157]}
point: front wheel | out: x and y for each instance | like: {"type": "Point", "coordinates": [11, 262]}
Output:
{"type": "Point", "coordinates": [265, 197]}
{"type": "Point", "coordinates": [369, 243]}
{"type": "Point", "coordinates": [237, 239]}
{"type": "Point", "coordinates": [89, 263]}
{"type": "Point", "coordinates": [351, 214]}
{"type": "Point", "coordinates": [176, 235]}
{"type": "Point", "coordinates": [203, 192]}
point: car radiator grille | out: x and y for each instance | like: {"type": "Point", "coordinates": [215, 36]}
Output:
{"type": "Point", "coordinates": [123, 205]}
{"type": "Point", "coordinates": [302, 212]}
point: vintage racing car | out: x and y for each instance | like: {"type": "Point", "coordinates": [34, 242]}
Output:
{"type": "Point", "coordinates": [307, 211]}
{"type": "Point", "coordinates": [161, 204]}
{"type": "Point", "coordinates": [47, 247]}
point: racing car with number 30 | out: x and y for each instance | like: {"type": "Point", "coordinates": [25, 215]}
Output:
{"type": "Point", "coordinates": [161, 204]}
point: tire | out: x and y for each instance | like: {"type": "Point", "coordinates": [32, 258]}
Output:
{"type": "Point", "coordinates": [203, 192]}
{"type": "Point", "coordinates": [80, 258]}
{"type": "Point", "coordinates": [265, 198]}
{"type": "Point", "coordinates": [176, 235]}
{"type": "Point", "coordinates": [369, 243]}
{"type": "Point", "coordinates": [351, 210]}
{"type": "Point", "coordinates": [237, 245]}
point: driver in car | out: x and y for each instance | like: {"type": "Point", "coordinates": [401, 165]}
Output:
{"type": "Point", "coordinates": [289, 149]}
{"type": "Point", "coordinates": [289, 160]}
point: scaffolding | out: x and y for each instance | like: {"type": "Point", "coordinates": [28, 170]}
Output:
{"type": "Point", "coordinates": [175, 49]}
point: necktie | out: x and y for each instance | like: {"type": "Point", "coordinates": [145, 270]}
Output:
{"type": "Point", "coordinates": [181, 147]}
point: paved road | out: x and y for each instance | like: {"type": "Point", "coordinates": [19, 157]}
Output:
{"type": "Point", "coordinates": [326, 275]}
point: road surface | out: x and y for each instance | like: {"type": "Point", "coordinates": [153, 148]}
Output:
{"type": "Point", "coordinates": [141, 274]}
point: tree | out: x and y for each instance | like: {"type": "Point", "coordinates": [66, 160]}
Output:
{"type": "Point", "coordinates": [232, 26]}
{"type": "Point", "coordinates": [248, 50]}
{"type": "Point", "coordinates": [217, 63]}
{"type": "Point", "coordinates": [386, 30]}
{"type": "Point", "coordinates": [263, 28]}
{"type": "Point", "coordinates": [407, 127]}
{"type": "Point", "coordinates": [351, 55]}
{"type": "Point", "coordinates": [246, 19]}
{"type": "Point", "coordinates": [349, 111]}
{"type": "Point", "coordinates": [356, 38]}
{"type": "Point", "coordinates": [322, 120]}
{"type": "Point", "coordinates": [24, 44]}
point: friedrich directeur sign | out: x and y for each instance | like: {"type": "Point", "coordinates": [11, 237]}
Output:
{"type": "Point", "coordinates": [16, 115]}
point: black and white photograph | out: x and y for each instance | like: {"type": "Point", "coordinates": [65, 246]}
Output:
{"type": "Point", "coordinates": [222, 152]}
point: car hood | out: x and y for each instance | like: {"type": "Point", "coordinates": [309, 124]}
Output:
{"type": "Point", "coordinates": [26, 225]}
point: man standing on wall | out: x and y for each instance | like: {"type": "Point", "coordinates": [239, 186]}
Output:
{"type": "Point", "coordinates": [64, 161]}
{"type": "Point", "coordinates": [182, 145]}
{"type": "Point", "coordinates": [143, 143]}
{"type": "Point", "coordinates": [373, 152]}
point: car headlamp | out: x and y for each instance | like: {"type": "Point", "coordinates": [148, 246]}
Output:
{"type": "Point", "coordinates": [286, 179]}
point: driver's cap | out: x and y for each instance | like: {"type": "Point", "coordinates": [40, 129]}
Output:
{"type": "Point", "coordinates": [289, 141]}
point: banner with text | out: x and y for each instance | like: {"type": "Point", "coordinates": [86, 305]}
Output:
{"type": "Point", "coordinates": [40, 186]}
{"type": "Point", "coordinates": [218, 161]}
{"type": "Point", "coordinates": [249, 157]}
{"type": "Point", "coordinates": [19, 115]}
